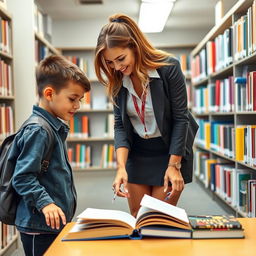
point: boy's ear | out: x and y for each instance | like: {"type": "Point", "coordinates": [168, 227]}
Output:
{"type": "Point", "coordinates": [48, 92]}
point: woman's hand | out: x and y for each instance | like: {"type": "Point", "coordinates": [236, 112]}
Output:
{"type": "Point", "coordinates": [174, 176]}
{"type": "Point", "coordinates": [121, 180]}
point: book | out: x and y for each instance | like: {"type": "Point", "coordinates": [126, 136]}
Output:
{"type": "Point", "coordinates": [216, 226]}
{"type": "Point", "coordinates": [155, 218]}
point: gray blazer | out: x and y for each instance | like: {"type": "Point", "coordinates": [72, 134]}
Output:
{"type": "Point", "coordinates": [176, 124]}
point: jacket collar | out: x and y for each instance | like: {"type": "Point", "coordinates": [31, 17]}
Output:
{"type": "Point", "coordinates": [157, 95]}
{"type": "Point", "coordinates": [55, 122]}
{"type": "Point", "coordinates": [127, 83]}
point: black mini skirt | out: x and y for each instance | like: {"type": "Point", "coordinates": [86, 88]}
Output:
{"type": "Point", "coordinates": [147, 161]}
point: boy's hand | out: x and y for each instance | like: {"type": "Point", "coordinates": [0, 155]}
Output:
{"type": "Point", "coordinates": [52, 214]}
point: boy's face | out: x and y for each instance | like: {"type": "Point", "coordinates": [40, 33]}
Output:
{"type": "Point", "coordinates": [66, 102]}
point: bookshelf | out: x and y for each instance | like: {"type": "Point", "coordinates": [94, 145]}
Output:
{"type": "Point", "coordinates": [43, 34]}
{"type": "Point", "coordinates": [8, 234]}
{"type": "Point", "coordinates": [98, 112]}
{"type": "Point", "coordinates": [224, 103]}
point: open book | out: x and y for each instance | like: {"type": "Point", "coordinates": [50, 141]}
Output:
{"type": "Point", "coordinates": [155, 218]}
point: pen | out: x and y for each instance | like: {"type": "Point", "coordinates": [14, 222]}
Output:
{"type": "Point", "coordinates": [168, 195]}
{"type": "Point", "coordinates": [114, 197]}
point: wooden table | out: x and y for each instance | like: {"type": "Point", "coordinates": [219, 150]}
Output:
{"type": "Point", "coordinates": [158, 246]}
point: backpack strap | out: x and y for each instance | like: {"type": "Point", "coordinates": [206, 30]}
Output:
{"type": "Point", "coordinates": [40, 120]}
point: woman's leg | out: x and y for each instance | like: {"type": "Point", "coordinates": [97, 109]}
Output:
{"type": "Point", "coordinates": [158, 192]}
{"type": "Point", "coordinates": [136, 192]}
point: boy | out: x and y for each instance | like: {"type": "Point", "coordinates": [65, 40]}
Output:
{"type": "Point", "coordinates": [48, 200]}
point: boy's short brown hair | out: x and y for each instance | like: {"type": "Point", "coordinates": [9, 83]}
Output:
{"type": "Point", "coordinates": [57, 71]}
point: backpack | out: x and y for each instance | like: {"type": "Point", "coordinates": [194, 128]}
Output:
{"type": "Point", "coordinates": [9, 199]}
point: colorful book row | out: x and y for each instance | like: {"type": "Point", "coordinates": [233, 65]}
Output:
{"type": "Point", "coordinates": [108, 158]}
{"type": "Point", "coordinates": [5, 36]}
{"type": "Point", "coordinates": [235, 43]}
{"type": "Point", "coordinates": [216, 97]}
{"type": "Point", "coordinates": [5, 79]}
{"type": "Point", "coordinates": [220, 96]}
{"type": "Point", "coordinates": [237, 142]}
{"type": "Point", "coordinates": [80, 156]}
{"type": "Point", "coordinates": [246, 144]}
{"type": "Point", "coordinates": [246, 92]}
{"type": "Point", "coordinates": [185, 63]}
{"type": "Point", "coordinates": [6, 118]}
{"type": "Point", "coordinates": [82, 63]}
{"type": "Point", "coordinates": [218, 136]}
{"type": "Point", "coordinates": [234, 185]}
{"type": "Point", "coordinates": [79, 126]}
{"type": "Point", "coordinates": [89, 103]}
{"type": "Point", "coordinates": [41, 51]}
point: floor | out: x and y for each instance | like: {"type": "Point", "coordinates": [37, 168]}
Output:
{"type": "Point", "coordinates": [94, 190]}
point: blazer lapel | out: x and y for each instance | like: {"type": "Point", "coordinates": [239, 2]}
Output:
{"type": "Point", "coordinates": [158, 99]}
{"type": "Point", "coordinates": [123, 101]}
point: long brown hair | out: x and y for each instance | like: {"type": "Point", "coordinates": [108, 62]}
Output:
{"type": "Point", "coordinates": [122, 31]}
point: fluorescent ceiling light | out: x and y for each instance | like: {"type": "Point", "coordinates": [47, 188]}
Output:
{"type": "Point", "coordinates": [154, 14]}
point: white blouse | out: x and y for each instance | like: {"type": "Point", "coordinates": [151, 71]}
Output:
{"type": "Point", "coordinates": [150, 120]}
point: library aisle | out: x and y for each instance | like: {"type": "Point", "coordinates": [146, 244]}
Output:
{"type": "Point", "coordinates": [94, 190]}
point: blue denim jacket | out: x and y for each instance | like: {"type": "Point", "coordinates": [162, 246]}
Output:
{"type": "Point", "coordinates": [38, 190]}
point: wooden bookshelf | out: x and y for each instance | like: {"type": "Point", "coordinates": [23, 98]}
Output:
{"type": "Point", "coordinates": [226, 21]}
{"type": "Point", "coordinates": [5, 55]}
{"type": "Point", "coordinates": [43, 46]}
{"type": "Point", "coordinates": [92, 169]}
{"type": "Point", "coordinates": [201, 82]}
{"type": "Point", "coordinates": [47, 44]}
{"type": "Point", "coordinates": [97, 110]}
{"type": "Point", "coordinates": [90, 139]}
{"type": "Point", "coordinates": [7, 100]}
{"type": "Point", "coordinates": [232, 117]}
{"type": "Point", "coordinates": [225, 157]}
{"type": "Point", "coordinates": [4, 13]}
{"type": "Point", "coordinates": [11, 246]}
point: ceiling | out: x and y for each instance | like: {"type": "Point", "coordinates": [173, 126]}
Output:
{"type": "Point", "coordinates": [186, 14]}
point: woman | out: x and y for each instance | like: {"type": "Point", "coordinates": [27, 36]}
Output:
{"type": "Point", "coordinates": [152, 137]}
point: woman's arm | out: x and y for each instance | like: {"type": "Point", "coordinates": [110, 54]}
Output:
{"type": "Point", "coordinates": [179, 122]}
{"type": "Point", "coordinates": [179, 111]}
{"type": "Point", "coordinates": [122, 147]}
{"type": "Point", "coordinates": [121, 175]}
{"type": "Point", "coordinates": [173, 175]}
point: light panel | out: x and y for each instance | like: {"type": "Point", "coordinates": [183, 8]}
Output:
{"type": "Point", "coordinates": [154, 14]}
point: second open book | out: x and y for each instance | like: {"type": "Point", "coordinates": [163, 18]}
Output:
{"type": "Point", "coordinates": [155, 218]}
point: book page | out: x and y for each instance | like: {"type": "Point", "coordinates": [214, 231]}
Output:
{"type": "Point", "coordinates": [100, 214]}
{"type": "Point", "coordinates": [143, 210]}
{"type": "Point", "coordinates": [157, 205]}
